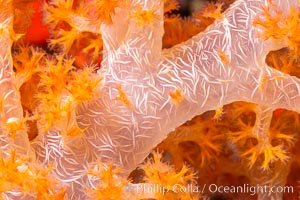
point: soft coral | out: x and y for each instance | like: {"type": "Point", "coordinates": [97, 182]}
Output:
{"type": "Point", "coordinates": [280, 26]}
{"type": "Point", "coordinates": [19, 174]}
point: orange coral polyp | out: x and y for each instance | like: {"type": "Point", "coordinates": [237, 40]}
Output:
{"type": "Point", "coordinates": [106, 8]}
{"type": "Point", "coordinates": [279, 26]}
{"type": "Point", "coordinates": [144, 17]}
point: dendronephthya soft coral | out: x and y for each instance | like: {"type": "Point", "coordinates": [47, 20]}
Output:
{"type": "Point", "coordinates": [146, 92]}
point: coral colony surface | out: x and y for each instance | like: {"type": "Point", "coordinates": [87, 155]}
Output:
{"type": "Point", "coordinates": [126, 99]}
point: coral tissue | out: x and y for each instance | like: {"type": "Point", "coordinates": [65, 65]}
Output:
{"type": "Point", "coordinates": [141, 93]}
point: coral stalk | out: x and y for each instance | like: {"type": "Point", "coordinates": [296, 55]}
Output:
{"type": "Point", "coordinates": [11, 113]}
{"type": "Point", "coordinates": [136, 110]}
{"type": "Point", "coordinates": [133, 59]}
{"type": "Point", "coordinates": [193, 67]}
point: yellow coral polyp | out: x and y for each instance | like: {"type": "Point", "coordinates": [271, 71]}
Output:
{"type": "Point", "coordinates": [66, 39]}
{"type": "Point", "coordinates": [56, 74]}
{"type": "Point", "coordinates": [144, 17]}
{"type": "Point", "coordinates": [176, 97]}
{"type": "Point", "coordinates": [122, 97]}
{"type": "Point", "coordinates": [95, 44]}
{"type": "Point", "coordinates": [279, 26]}
{"type": "Point", "coordinates": [170, 5]}
{"type": "Point", "coordinates": [58, 11]}
{"type": "Point", "coordinates": [84, 84]}
{"type": "Point", "coordinates": [56, 83]}
{"type": "Point", "coordinates": [26, 63]}
{"type": "Point", "coordinates": [18, 175]}
{"type": "Point", "coordinates": [269, 154]}
{"type": "Point", "coordinates": [106, 8]}
{"type": "Point", "coordinates": [112, 185]}
{"type": "Point", "coordinates": [218, 113]}
{"type": "Point", "coordinates": [159, 173]}
{"type": "Point", "coordinates": [14, 125]}
{"type": "Point", "coordinates": [213, 10]}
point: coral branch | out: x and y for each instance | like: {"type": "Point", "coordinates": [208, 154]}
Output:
{"type": "Point", "coordinates": [11, 111]}
{"type": "Point", "coordinates": [138, 106]}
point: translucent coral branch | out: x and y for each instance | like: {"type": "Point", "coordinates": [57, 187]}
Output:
{"type": "Point", "coordinates": [263, 121]}
{"type": "Point", "coordinates": [11, 110]}
{"type": "Point", "coordinates": [195, 68]}
{"type": "Point", "coordinates": [133, 60]}
{"type": "Point", "coordinates": [147, 78]}
{"type": "Point", "coordinates": [261, 133]}
{"type": "Point", "coordinates": [130, 45]}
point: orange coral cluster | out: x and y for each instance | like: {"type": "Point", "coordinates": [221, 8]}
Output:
{"type": "Point", "coordinates": [225, 151]}
{"type": "Point", "coordinates": [24, 176]}
{"type": "Point", "coordinates": [51, 88]}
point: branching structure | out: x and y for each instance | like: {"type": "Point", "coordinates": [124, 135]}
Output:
{"type": "Point", "coordinates": [147, 92]}
{"type": "Point", "coordinates": [10, 104]}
